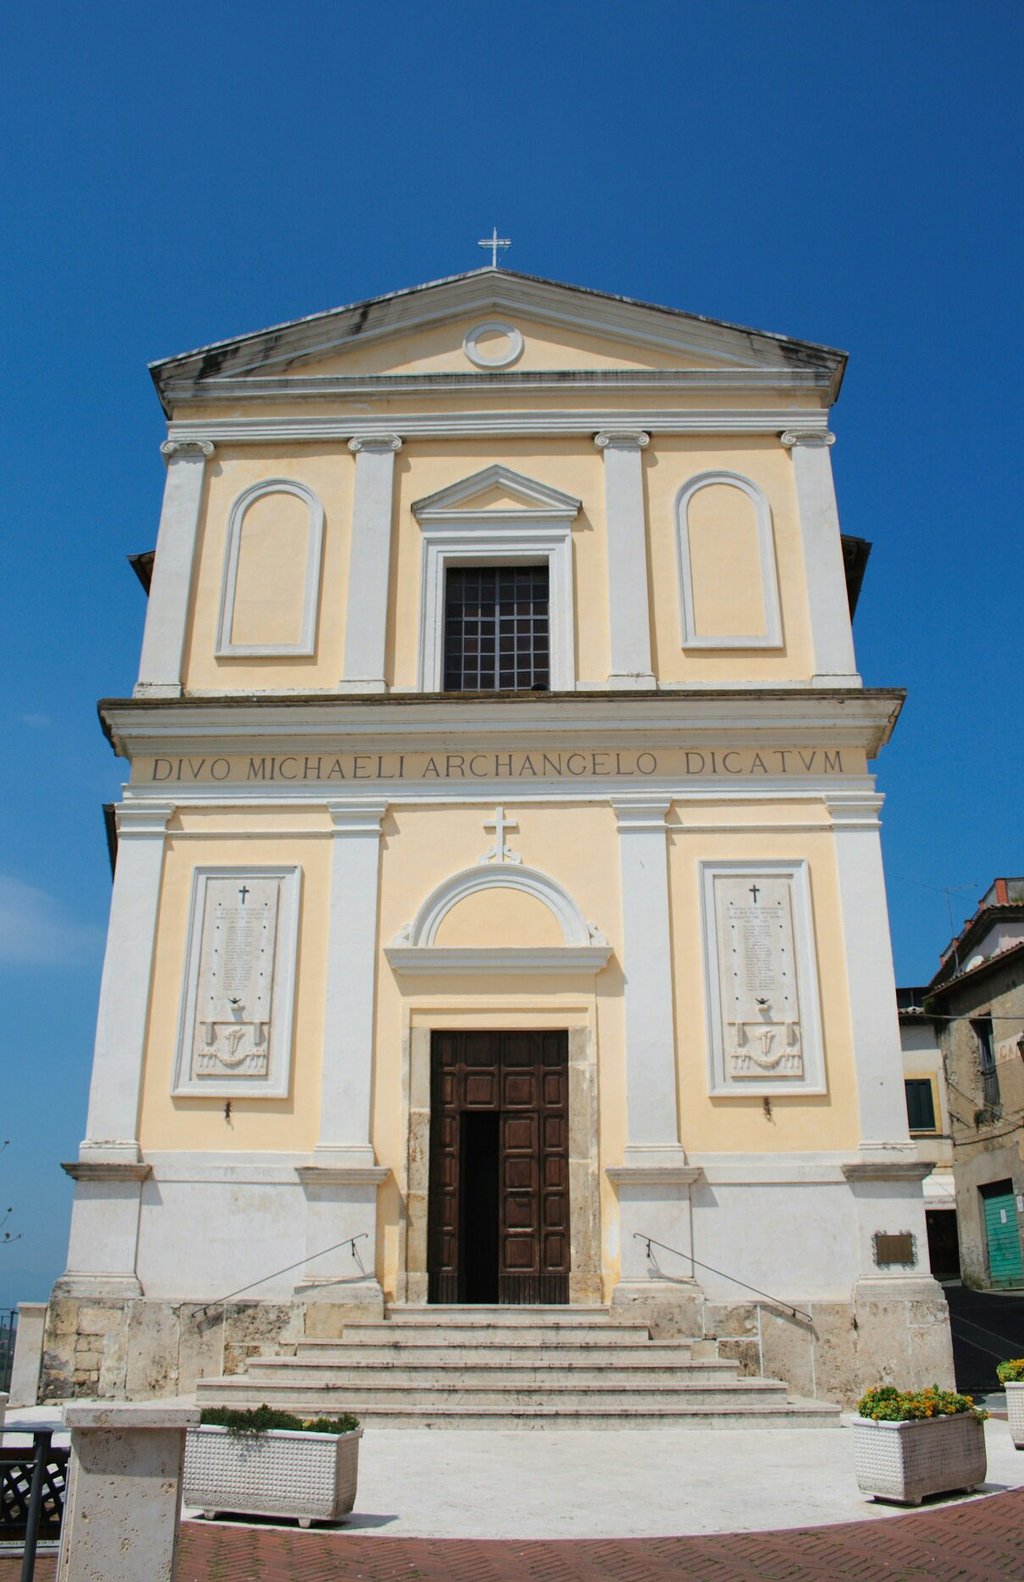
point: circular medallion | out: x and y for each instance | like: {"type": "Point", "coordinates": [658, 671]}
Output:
{"type": "Point", "coordinates": [503, 345]}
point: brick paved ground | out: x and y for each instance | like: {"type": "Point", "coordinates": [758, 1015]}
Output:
{"type": "Point", "coordinates": [978, 1540]}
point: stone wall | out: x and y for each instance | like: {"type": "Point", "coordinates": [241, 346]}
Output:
{"type": "Point", "coordinates": [139, 1349]}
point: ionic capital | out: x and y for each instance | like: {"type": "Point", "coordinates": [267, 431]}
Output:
{"type": "Point", "coordinates": [171, 449]}
{"type": "Point", "coordinates": [375, 443]}
{"type": "Point", "coordinates": [622, 439]}
{"type": "Point", "coordinates": [809, 436]}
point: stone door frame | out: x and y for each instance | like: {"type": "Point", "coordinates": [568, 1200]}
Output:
{"type": "Point", "coordinates": [585, 1282]}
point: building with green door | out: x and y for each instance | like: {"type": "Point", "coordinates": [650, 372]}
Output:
{"type": "Point", "coordinates": [976, 1003]}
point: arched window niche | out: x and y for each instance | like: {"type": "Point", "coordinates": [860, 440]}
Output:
{"type": "Point", "coordinates": [271, 584]}
{"type": "Point", "coordinates": [728, 584]}
{"type": "Point", "coordinates": [584, 948]}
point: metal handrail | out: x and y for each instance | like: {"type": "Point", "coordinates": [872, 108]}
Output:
{"type": "Point", "coordinates": [651, 1241]}
{"type": "Point", "coordinates": [350, 1241]}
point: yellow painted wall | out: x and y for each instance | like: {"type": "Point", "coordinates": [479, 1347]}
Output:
{"type": "Point", "coordinates": [438, 349]}
{"type": "Point", "coordinates": [578, 847]}
{"type": "Point", "coordinates": [424, 466]}
{"type": "Point", "coordinates": [329, 471]}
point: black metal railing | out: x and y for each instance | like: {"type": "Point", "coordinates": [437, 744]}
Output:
{"type": "Point", "coordinates": [776, 1301]}
{"type": "Point", "coordinates": [8, 1335]}
{"type": "Point", "coordinates": [350, 1241]}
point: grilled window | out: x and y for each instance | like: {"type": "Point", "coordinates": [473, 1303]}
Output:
{"type": "Point", "coordinates": [920, 1104]}
{"type": "Point", "coordinates": [496, 629]}
{"type": "Point", "coordinates": [987, 1059]}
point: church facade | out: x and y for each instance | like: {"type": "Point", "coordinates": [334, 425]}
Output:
{"type": "Point", "coordinates": [498, 914]}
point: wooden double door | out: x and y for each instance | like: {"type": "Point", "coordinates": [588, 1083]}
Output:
{"type": "Point", "coordinates": [498, 1216]}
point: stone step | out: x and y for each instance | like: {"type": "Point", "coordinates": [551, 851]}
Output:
{"type": "Point", "coordinates": [555, 1412]}
{"type": "Point", "coordinates": [486, 1332]}
{"type": "Point", "coordinates": [493, 1313]}
{"type": "Point", "coordinates": [497, 1353]}
{"type": "Point", "coordinates": [442, 1375]}
{"type": "Point", "coordinates": [494, 1393]}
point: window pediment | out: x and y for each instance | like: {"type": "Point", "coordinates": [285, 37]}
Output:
{"type": "Point", "coordinates": [531, 498]}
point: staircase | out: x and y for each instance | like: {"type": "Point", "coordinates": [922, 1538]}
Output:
{"type": "Point", "coordinates": [514, 1367]}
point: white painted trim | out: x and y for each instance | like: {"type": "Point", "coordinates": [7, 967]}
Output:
{"type": "Point", "coordinates": [261, 387]}
{"type": "Point", "coordinates": [825, 573]}
{"type": "Point", "coordinates": [349, 1009]}
{"type": "Point", "coordinates": [276, 1083]}
{"type": "Point", "coordinates": [540, 499]}
{"type": "Point", "coordinates": [479, 359]}
{"type": "Point", "coordinates": [499, 961]}
{"type": "Point", "coordinates": [626, 531]}
{"type": "Point", "coordinates": [808, 988]}
{"type": "Point", "coordinates": [869, 971]}
{"type": "Point", "coordinates": [163, 642]}
{"type": "Point", "coordinates": [422, 931]}
{"type": "Point", "coordinates": [772, 635]}
{"type": "Point", "coordinates": [114, 1092]}
{"type": "Point", "coordinates": [369, 564]}
{"type": "Point", "coordinates": [646, 956]}
{"type": "Point", "coordinates": [306, 644]}
{"type": "Point", "coordinates": [477, 424]}
{"type": "Point", "coordinates": [459, 536]}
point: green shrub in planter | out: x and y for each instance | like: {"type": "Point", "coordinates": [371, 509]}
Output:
{"type": "Point", "coordinates": [912, 1443]}
{"type": "Point", "coordinates": [258, 1419]}
{"type": "Point", "coordinates": [885, 1404]}
{"type": "Point", "coordinates": [269, 1463]}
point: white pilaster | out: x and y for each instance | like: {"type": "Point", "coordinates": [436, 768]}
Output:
{"type": "Point", "coordinates": [351, 981]}
{"type": "Point", "coordinates": [369, 565]}
{"type": "Point", "coordinates": [628, 598]}
{"type": "Point", "coordinates": [163, 643]}
{"type": "Point", "coordinates": [647, 962]}
{"type": "Point", "coordinates": [870, 976]}
{"type": "Point", "coordinates": [831, 630]}
{"type": "Point", "coordinates": [112, 1126]}
{"type": "Point", "coordinates": [653, 1181]}
{"type": "Point", "coordinates": [342, 1181]}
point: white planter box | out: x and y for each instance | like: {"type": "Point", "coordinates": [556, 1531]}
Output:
{"type": "Point", "coordinates": [1015, 1411]}
{"type": "Point", "coordinates": [904, 1462]}
{"type": "Point", "coordinates": [311, 1477]}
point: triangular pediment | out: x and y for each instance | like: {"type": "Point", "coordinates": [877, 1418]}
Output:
{"type": "Point", "coordinates": [422, 333]}
{"type": "Point", "coordinates": [497, 489]}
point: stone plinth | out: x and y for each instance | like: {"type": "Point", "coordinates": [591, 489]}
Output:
{"type": "Point", "coordinates": [28, 1353]}
{"type": "Point", "coordinates": [123, 1503]}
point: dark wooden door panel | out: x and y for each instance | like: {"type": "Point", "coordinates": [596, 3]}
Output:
{"type": "Point", "coordinates": [498, 1216]}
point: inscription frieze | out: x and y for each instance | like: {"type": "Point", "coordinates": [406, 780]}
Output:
{"type": "Point", "coordinates": [566, 765]}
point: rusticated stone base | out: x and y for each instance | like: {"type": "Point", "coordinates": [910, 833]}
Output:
{"type": "Point", "coordinates": [139, 1350]}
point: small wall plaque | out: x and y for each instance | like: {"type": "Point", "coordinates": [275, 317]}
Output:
{"type": "Point", "coordinates": [897, 1248]}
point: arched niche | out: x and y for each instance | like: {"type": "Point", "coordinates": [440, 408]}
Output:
{"type": "Point", "coordinates": [583, 947]}
{"type": "Point", "coordinates": [271, 584]}
{"type": "Point", "coordinates": [728, 584]}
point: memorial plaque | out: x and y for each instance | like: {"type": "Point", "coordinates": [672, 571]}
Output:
{"type": "Point", "coordinates": [235, 985]}
{"type": "Point", "coordinates": [758, 976]}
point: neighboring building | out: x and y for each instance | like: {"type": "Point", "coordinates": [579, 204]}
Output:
{"type": "Point", "coordinates": [924, 1082]}
{"type": "Point", "coordinates": [977, 1002]}
{"type": "Point", "coordinates": [498, 878]}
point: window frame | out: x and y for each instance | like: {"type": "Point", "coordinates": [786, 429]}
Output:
{"type": "Point", "coordinates": [935, 1129]}
{"type": "Point", "coordinates": [456, 534]}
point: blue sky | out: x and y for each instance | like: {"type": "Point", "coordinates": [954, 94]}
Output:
{"type": "Point", "coordinates": [846, 173]}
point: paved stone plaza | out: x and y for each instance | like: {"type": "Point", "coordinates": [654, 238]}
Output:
{"type": "Point", "coordinates": [642, 1506]}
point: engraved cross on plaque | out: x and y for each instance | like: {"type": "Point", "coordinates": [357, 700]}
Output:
{"type": "Point", "coordinates": [500, 852]}
{"type": "Point", "coordinates": [243, 892]}
{"type": "Point", "coordinates": [755, 892]}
